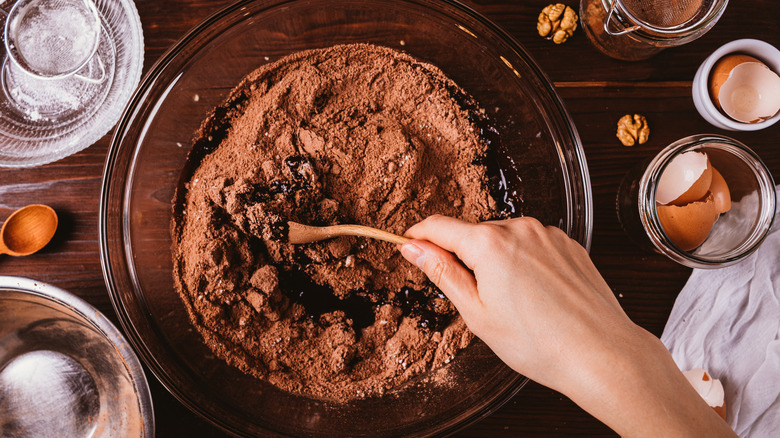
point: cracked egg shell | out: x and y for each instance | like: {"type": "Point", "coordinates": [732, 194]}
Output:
{"type": "Point", "coordinates": [688, 226]}
{"type": "Point", "coordinates": [687, 178]}
{"type": "Point", "coordinates": [721, 71]}
{"type": "Point", "coordinates": [745, 89]}
{"type": "Point", "coordinates": [720, 192]}
{"type": "Point", "coordinates": [711, 390]}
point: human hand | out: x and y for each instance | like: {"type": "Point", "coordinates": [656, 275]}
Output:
{"type": "Point", "coordinates": [534, 297]}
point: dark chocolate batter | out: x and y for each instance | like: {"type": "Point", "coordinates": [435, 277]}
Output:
{"type": "Point", "coordinates": [348, 134]}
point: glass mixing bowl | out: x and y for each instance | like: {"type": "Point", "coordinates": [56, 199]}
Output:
{"type": "Point", "coordinates": [149, 151]}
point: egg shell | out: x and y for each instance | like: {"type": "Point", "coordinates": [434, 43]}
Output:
{"type": "Point", "coordinates": [688, 226]}
{"type": "Point", "coordinates": [721, 71]}
{"type": "Point", "coordinates": [720, 410]}
{"type": "Point", "coordinates": [711, 390]}
{"type": "Point", "coordinates": [720, 192]}
{"type": "Point", "coordinates": [751, 93]}
{"type": "Point", "coordinates": [687, 178]}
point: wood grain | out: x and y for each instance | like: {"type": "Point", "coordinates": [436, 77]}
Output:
{"type": "Point", "coordinates": [596, 90]}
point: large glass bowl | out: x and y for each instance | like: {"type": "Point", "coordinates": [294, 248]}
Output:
{"type": "Point", "coordinates": [150, 148]}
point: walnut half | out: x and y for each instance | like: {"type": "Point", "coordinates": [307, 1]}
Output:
{"type": "Point", "coordinates": [557, 22]}
{"type": "Point", "coordinates": [633, 130]}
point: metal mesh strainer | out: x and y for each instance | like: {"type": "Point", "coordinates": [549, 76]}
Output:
{"type": "Point", "coordinates": [52, 38]}
{"type": "Point", "coordinates": [668, 14]}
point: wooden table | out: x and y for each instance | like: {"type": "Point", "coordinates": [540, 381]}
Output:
{"type": "Point", "coordinates": [596, 90]}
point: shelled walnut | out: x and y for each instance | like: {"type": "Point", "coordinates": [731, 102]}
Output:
{"type": "Point", "coordinates": [557, 22]}
{"type": "Point", "coordinates": [633, 130]}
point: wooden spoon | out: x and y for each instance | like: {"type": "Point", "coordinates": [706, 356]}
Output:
{"type": "Point", "coordinates": [299, 233]}
{"type": "Point", "coordinates": [28, 230]}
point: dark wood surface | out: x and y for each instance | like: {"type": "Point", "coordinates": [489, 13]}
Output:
{"type": "Point", "coordinates": [596, 90]}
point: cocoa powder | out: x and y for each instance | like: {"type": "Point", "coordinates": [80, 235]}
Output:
{"type": "Point", "coordinates": [347, 134]}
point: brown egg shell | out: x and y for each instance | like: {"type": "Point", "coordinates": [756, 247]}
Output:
{"type": "Point", "coordinates": [751, 93]}
{"type": "Point", "coordinates": [721, 71]}
{"type": "Point", "coordinates": [720, 192]}
{"type": "Point", "coordinates": [698, 189]}
{"type": "Point", "coordinates": [720, 410]}
{"type": "Point", "coordinates": [688, 226]}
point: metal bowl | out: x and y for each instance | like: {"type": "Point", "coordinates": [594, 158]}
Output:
{"type": "Point", "coordinates": [65, 370]}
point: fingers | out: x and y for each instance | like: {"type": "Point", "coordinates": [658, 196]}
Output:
{"type": "Point", "coordinates": [446, 232]}
{"type": "Point", "coordinates": [446, 271]}
{"type": "Point", "coordinates": [453, 235]}
{"type": "Point", "coordinates": [476, 244]}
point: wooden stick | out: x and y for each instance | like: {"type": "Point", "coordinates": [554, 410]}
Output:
{"type": "Point", "coordinates": [299, 233]}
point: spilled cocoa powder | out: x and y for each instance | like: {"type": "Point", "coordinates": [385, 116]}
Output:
{"type": "Point", "coordinates": [347, 134]}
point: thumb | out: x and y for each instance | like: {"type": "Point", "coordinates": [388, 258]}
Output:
{"type": "Point", "coordinates": [445, 271]}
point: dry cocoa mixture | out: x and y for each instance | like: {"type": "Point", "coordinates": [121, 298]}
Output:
{"type": "Point", "coordinates": [347, 134]}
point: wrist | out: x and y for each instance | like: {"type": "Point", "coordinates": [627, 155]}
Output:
{"type": "Point", "coordinates": [637, 390]}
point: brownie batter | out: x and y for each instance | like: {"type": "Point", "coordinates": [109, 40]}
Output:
{"type": "Point", "coordinates": [347, 134]}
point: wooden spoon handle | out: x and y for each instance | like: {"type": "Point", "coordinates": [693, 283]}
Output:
{"type": "Point", "coordinates": [361, 230]}
{"type": "Point", "coordinates": [299, 233]}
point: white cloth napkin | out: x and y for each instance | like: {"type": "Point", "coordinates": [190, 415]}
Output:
{"type": "Point", "coordinates": [727, 321]}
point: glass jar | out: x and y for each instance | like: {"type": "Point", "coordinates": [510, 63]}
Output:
{"type": "Point", "coordinates": [634, 30]}
{"type": "Point", "coordinates": [735, 235]}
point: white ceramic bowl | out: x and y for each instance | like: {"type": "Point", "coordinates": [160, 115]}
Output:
{"type": "Point", "coordinates": [761, 50]}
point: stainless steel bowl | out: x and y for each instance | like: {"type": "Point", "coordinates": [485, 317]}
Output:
{"type": "Point", "coordinates": [65, 370]}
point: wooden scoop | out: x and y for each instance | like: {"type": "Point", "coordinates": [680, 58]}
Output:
{"type": "Point", "coordinates": [28, 230]}
{"type": "Point", "coordinates": [299, 233]}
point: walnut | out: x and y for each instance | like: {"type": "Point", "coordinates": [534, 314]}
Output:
{"type": "Point", "coordinates": [557, 22]}
{"type": "Point", "coordinates": [633, 130]}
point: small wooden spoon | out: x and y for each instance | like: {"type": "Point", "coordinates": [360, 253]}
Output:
{"type": "Point", "coordinates": [299, 233]}
{"type": "Point", "coordinates": [28, 230]}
